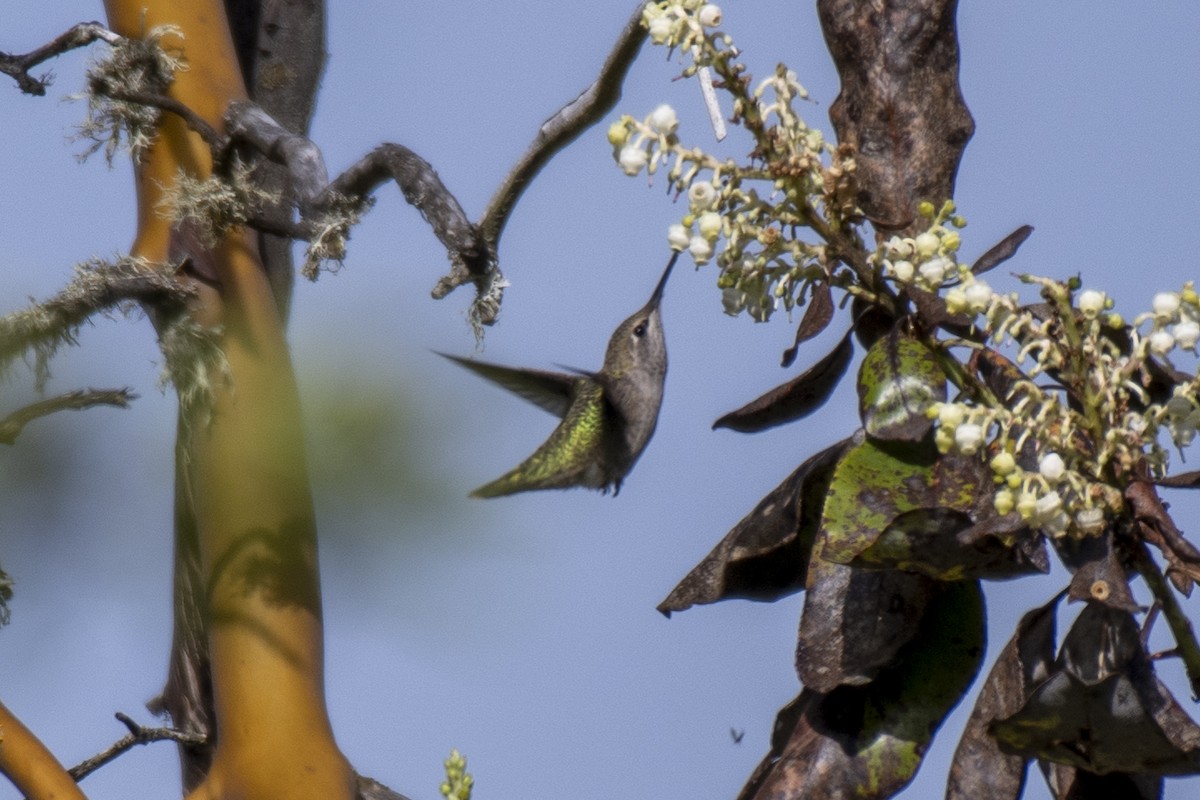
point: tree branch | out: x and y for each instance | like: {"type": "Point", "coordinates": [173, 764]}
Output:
{"type": "Point", "coordinates": [162, 102]}
{"type": "Point", "coordinates": [97, 286]}
{"type": "Point", "coordinates": [424, 190]}
{"type": "Point", "coordinates": [323, 203]}
{"type": "Point", "coordinates": [247, 122]}
{"type": "Point", "coordinates": [30, 765]}
{"type": "Point", "coordinates": [12, 425]}
{"type": "Point", "coordinates": [18, 66]}
{"type": "Point", "coordinates": [1181, 627]}
{"type": "Point", "coordinates": [565, 125]}
{"type": "Point", "coordinates": [137, 735]}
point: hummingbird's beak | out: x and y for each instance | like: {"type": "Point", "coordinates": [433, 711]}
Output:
{"type": "Point", "coordinates": [656, 298]}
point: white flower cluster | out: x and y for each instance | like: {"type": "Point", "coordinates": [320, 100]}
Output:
{"type": "Point", "coordinates": [1113, 430]}
{"type": "Point", "coordinates": [643, 145]}
{"type": "Point", "coordinates": [683, 23]}
{"type": "Point", "coordinates": [1056, 498]}
{"type": "Point", "coordinates": [742, 216]}
{"type": "Point", "coordinates": [1174, 320]}
{"type": "Point", "coordinates": [1088, 346]}
{"type": "Point", "coordinates": [927, 261]}
{"type": "Point", "coordinates": [1174, 324]}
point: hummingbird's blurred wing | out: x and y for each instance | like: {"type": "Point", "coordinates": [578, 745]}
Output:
{"type": "Point", "coordinates": [574, 455]}
{"type": "Point", "coordinates": [552, 391]}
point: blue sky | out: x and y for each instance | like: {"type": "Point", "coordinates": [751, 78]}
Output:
{"type": "Point", "coordinates": [523, 630]}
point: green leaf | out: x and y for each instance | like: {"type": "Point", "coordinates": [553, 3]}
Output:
{"type": "Point", "coordinates": [877, 482]}
{"type": "Point", "coordinates": [899, 379]}
{"type": "Point", "coordinates": [944, 544]}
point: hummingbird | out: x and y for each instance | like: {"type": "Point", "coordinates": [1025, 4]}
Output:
{"type": "Point", "coordinates": [607, 417]}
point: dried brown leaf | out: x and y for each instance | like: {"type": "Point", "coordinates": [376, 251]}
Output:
{"type": "Point", "coordinates": [797, 398]}
{"type": "Point", "coordinates": [765, 556]}
{"type": "Point", "coordinates": [1002, 251]}
{"type": "Point", "coordinates": [817, 316]}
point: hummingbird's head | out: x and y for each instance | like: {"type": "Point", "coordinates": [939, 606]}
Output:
{"type": "Point", "coordinates": [638, 343]}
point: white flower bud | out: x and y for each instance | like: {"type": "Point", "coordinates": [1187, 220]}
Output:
{"type": "Point", "coordinates": [978, 295]}
{"type": "Point", "coordinates": [709, 15]}
{"type": "Point", "coordinates": [1091, 302]}
{"type": "Point", "coordinates": [1186, 334]}
{"type": "Point", "coordinates": [903, 271]}
{"type": "Point", "coordinates": [1052, 468]}
{"type": "Point", "coordinates": [632, 159]}
{"type": "Point", "coordinates": [968, 437]}
{"type": "Point", "coordinates": [709, 225]}
{"type": "Point", "coordinates": [926, 244]}
{"type": "Point", "coordinates": [1165, 304]}
{"type": "Point", "coordinates": [1090, 520]}
{"type": "Point", "coordinates": [951, 415]}
{"type": "Point", "coordinates": [1161, 342]}
{"type": "Point", "coordinates": [660, 29]}
{"type": "Point", "coordinates": [933, 272]}
{"type": "Point", "coordinates": [956, 300]}
{"type": "Point", "coordinates": [663, 120]}
{"type": "Point", "coordinates": [701, 249]}
{"type": "Point", "coordinates": [899, 248]}
{"type": "Point", "coordinates": [678, 237]}
{"type": "Point", "coordinates": [1003, 502]}
{"type": "Point", "coordinates": [1047, 506]}
{"type": "Point", "coordinates": [701, 197]}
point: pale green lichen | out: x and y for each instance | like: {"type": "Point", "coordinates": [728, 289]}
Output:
{"type": "Point", "coordinates": [132, 67]}
{"type": "Point", "coordinates": [332, 231]}
{"type": "Point", "coordinates": [215, 204]}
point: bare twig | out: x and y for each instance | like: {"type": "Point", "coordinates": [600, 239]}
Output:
{"type": "Point", "coordinates": [423, 189]}
{"type": "Point", "coordinates": [12, 425]}
{"type": "Point", "coordinates": [323, 203]}
{"type": "Point", "coordinates": [565, 125]}
{"type": "Point", "coordinates": [162, 102]}
{"type": "Point", "coordinates": [1177, 619]}
{"type": "Point", "coordinates": [137, 735]}
{"type": "Point", "coordinates": [18, 66]}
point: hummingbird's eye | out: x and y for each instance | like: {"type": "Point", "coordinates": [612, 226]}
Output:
{"type": "Point", "coordinates": [640, 330]}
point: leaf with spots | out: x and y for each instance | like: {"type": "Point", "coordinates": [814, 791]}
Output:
{"type": "Point", "coordinates": [898, 380]}
{"type": "Point", "coordinates": [877, 482]}
{"type": "Point", "coordinates": [944, 544]}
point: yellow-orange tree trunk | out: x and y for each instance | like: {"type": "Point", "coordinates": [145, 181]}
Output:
{"type": "Point", "coordinates": [245, 467]}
